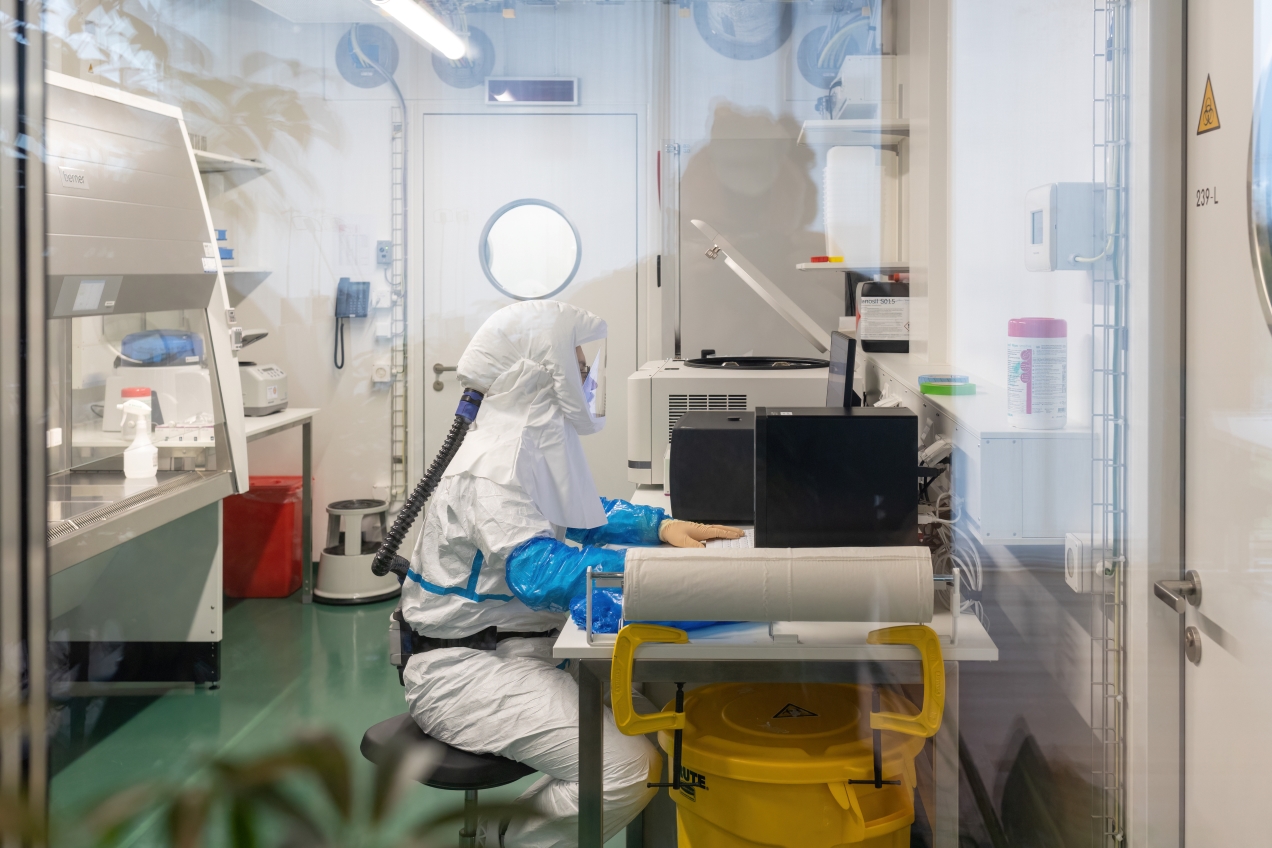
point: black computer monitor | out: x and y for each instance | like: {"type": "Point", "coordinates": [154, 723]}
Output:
{"type": "Point", "coordinates": [843, 355]}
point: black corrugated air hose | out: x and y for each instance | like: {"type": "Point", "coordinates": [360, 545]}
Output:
{"type": "Point", "coordinates": [387, 559]}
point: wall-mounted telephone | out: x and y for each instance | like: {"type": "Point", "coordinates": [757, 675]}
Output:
{"type": "Point", "coordinates": [353, 298]}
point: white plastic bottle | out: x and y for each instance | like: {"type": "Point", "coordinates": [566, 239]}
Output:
{"type": "Point", "coordinates": [141, 458]}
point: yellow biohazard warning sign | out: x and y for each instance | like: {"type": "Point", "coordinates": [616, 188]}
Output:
{"type": "Point", "coordinates": [1209, 119]}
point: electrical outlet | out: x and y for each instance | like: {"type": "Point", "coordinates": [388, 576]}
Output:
{"type": "Point", "coordinates": [384, 253]}
{"type": "Point", "coordinates": [382, 372]}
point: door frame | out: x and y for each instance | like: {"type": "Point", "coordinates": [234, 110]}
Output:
{"type": "Point", "coordinates": [1154, 677]}
{"type": "Point", "coordinates": [647, 300]}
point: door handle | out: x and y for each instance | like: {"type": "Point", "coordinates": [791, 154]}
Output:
{"type": "Point", "coordinates": [1177, 594]}
{"type": "Point", "coordinates": [439, 369]}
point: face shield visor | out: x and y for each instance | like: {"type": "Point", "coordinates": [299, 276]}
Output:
{"type": "Point", "coordinates": [591, 359]}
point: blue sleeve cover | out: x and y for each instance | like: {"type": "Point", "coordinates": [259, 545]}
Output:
{"type": "Point", "coordinates": [627, 524]}
{"type": "Point", "coordinates": [607, 608]}
{"type": "Point", "coordinates": [545, 574]}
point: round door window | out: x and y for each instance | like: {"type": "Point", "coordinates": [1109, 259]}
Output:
{"type": "Point", "coordinates": [529, 249]}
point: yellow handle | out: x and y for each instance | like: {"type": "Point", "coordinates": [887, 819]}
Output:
{"type": "Point", "coordinates": [928, 721]}
{"type": "Point", "coordinates": [855, 828]}
{"type": "Point", "coordinates": [625, 716]}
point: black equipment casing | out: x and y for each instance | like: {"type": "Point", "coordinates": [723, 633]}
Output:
{"type": "Point", "coordinates": [712, 473]}
{"type": "Point", "coordinates": [835, 477]}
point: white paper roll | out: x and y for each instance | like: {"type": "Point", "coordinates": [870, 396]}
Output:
{"type": "Point", "coordinates": [778, 584]}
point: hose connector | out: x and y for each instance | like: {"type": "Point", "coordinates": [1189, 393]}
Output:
{"type": "Point", "coordinates": [469, 403]}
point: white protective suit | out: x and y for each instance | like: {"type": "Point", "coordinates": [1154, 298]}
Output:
{"type": "Point", "coordinates": [520, 473]}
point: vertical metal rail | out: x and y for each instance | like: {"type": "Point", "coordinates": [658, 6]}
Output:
{"type": "Point", "coordinates": [23, 382]}
{"type": "Point", "coordinates": [1110, 168]}
{"type": "Point", "coordinates": [397, 291]}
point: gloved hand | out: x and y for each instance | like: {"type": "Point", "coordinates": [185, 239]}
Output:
{"type": "Point", "coordinates": [690, 534]}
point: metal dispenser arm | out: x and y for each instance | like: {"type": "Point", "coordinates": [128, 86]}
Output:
{"type": "Point", "coordinates": [765, 288]}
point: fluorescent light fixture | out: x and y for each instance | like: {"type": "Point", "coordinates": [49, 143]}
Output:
{"type": "Point", "coordinates": [425, 26]}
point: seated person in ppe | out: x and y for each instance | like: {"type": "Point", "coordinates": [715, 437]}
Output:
{"type": "Point", "coordinates": [492, 556]}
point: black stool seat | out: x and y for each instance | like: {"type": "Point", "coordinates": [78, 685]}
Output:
{"type": "Point", "coordinates": [457, 770]}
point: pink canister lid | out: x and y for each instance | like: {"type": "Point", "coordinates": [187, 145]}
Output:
{"type": "Point", "coordinates": [1037, 328]}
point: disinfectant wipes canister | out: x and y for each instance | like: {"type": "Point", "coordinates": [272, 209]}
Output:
{"type": "Point", "coordinates": [1037, 378]}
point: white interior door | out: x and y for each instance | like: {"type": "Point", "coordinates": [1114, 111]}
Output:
{"type": "Point", "coordinates": [1228, 464]}
{"type": "Point", "coordinates": [583, 164]}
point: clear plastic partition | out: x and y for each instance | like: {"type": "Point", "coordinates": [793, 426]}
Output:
{"type": "Point", "coordinates": [158, 358]}
{"type": "Point", "coordinates": [868, 276]}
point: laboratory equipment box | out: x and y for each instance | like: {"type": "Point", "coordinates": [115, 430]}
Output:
{"type": "Point", "coordinates": [713, 467]}
{"type": "Point", "coordinates": [836, 477]}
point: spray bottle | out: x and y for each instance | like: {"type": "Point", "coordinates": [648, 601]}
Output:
{"type": "Point", "coordinates": [141, 459]}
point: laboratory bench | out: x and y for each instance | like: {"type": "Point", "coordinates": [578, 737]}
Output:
{"type": "Point", "coordinates": [811, 652]}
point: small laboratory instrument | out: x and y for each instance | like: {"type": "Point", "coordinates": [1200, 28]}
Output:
{"type": "Point", "coordinates": [264, 389]}
{"type": "Point", "coordinates": [712, 470]}
{"type": "Point", "coordinates": [806, 477]}
{"type": "Point", "coordinates": [1063, 229]}
{"type": "Point", "coordinates": [832, 477]}
{"type": "Point", "coordinates": [661, 391]}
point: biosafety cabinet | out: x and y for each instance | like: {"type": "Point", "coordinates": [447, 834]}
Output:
{"type": "Point", "coordinates": [137, 311]}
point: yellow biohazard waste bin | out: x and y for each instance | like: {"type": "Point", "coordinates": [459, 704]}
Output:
{"type": "Point", "coordinates": [791, 764]}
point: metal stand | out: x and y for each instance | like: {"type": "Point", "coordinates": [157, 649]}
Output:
{"type": "Point", "coordinates": [468, 835]}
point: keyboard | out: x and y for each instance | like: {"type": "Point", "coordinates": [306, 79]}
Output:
{"type": "Point", "coordinates": [747, 541]}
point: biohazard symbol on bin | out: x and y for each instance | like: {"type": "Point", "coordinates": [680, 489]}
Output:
{"type": "Point", "coordinates": [792, 711]}
{"type": "Point", "coordinates": [1209, 119]}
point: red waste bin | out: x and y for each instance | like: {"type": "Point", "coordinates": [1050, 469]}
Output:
{"type": "Point", "coordinates": [262, 539]}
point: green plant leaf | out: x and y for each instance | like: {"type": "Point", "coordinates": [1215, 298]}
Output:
{"type": "Point", "coordinates": [402, 766]}
{"type": "Point", "coordinates": [108, 817]}
{"type": "Point", "coordinates": [272, 798]}
{"type": "Point", "coordinates": [242, 824]}
{"type": "Point", "coordinates": [187, 816]}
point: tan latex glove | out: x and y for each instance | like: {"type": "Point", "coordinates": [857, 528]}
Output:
{"type": "Point", "coordinates": [689, 534]}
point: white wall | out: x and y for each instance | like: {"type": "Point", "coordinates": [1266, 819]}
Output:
{"type": "Point", "coordinates": [1021, 92]}
{"type": "Point", "coordinates": [261, 86]}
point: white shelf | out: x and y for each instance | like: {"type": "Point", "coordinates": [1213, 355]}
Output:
{"type": "Point", "coordinates": [216, 163]}
{"type": "Point", "coordinates": [263, 272]}
{"type": "Point", "coordinates": [1020, 487]}
{"type": "Point", "coordinates": [258, 427]}
{"type": "Point", "coordinates": [984, 414]}
{"type": "Point", "coordinates": [854, 132]}
{"type": "Point", "coordinates": [844, 266]}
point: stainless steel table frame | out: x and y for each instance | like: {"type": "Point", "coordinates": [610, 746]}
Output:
{"type": "Point", "coordinates": [259, 428]}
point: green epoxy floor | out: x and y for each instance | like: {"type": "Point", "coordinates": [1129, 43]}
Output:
{"type": "Point", "coordinates": [285, 667]}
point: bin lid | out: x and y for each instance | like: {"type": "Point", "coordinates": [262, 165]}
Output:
{"type": "Point", "coordinates": [790, 732]}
